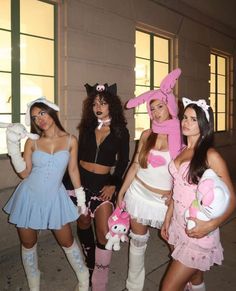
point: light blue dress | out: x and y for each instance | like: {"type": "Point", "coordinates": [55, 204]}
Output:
{"type": "Point", "coordinates": [40, 201]}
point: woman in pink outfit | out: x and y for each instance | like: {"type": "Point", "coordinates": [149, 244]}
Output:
{"type": "Point", "coordinates": [148, 183]}
{"type": "Point", "coordinates": [194, 250]}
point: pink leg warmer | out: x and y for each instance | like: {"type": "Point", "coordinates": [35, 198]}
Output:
{"type": "Point", "coordinates": [101, 270]}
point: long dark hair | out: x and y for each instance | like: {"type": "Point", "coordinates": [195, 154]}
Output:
{"type": "Point", "coordinates": [116, 112]}
{"type": "Point", "coordinates": [205, 141]}
{"type": "Point", "coordinates": [51, 112]}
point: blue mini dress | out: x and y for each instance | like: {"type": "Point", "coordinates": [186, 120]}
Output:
{"type": "Point", "coordinates": [40, 201]}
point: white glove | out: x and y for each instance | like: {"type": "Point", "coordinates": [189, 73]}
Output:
{"type": "Point", "coordinates": [14, 133]}
{"type": "Point", "coordinates": [13, 147]}
{"type": "Point", "coordinates": [80, 195]}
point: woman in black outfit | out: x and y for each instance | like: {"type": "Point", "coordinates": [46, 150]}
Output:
{"type": "Point", "coordinates": [103, 156]}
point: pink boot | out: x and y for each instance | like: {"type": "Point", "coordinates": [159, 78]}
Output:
{"type": "Point", "coordinates": [101, 270]}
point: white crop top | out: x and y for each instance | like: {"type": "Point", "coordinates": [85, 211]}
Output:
{"type": "Point", "coordinates": [157, 174]}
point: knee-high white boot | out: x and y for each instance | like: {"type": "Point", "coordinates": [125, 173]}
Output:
{"type": "Point", "coordinates": [191, 287]}
{"type": "Point", "coordinates": [200, 287]}
{"type": "Point", "coordinates": [30, 263]}
{"type": "Point", "coordinates": [136, 272]}
{"type": "Point", "coordinates": [76, 260]}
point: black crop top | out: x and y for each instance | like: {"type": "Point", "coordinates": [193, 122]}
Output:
{"type": "Point", "coordinates": [113, 151]}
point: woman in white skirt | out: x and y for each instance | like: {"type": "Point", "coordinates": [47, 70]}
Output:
{"type": "Point", "coordinates": [148, 183]}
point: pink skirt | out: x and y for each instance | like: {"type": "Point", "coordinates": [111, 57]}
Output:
{"type": "Point", "coordinates": [195, 253]}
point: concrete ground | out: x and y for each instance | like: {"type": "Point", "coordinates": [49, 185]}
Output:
{"type": "Point", "coordinates": [56, 273]}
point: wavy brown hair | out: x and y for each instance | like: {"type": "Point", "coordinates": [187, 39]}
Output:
{"type": "Point", "coordinates": [147, 146]}
{"type": "Point", "coordinates": [89, 120]}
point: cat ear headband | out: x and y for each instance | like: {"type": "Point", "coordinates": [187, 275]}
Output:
{"type": "Point", "coordinates": [39, 100]}
{"type": "Point", "coordinates": [96, 89]}
{"type": "Point", "coordinates": [164, 94]}
{"type": "Point", "coordinates": [200, 103]}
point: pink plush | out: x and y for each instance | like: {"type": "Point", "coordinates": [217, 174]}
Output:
{"type": "Point", "coordinates": [118, 223]}
{"type": "Point", "coordinates": [212, 199]}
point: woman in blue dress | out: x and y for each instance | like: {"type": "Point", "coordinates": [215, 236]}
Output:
{"type": "Point", "coordinates": [41, 201]}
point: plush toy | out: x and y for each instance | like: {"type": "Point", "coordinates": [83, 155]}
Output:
{"type": "Point", "coordinates": [118, 223]}
{"type": "Point", "coordinates": [212, 199]}
{"type": "Point", "coordinates": [17, 130]}
{"type": "Point", "coordinates": [14, 133]}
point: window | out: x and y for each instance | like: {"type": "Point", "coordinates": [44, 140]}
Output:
{"type": "Point", "coordinates": [152, 65]}
{"type": "Point", "coordinates": [27, 57]}
{"type": "Point", "coordinates": [218, 90]}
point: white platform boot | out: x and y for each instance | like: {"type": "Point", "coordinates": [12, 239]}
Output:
{"type": "Point", "coordinates": [30, 263]}
{"type": "Point", "coordinates": [200, 287]}
{"type": "Point", "coordinates": [76, 260]}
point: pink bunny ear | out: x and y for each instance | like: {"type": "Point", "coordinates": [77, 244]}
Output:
{"type": "Point", "coordinates": [168, 83]}
{"type": "Point", "coordinates": [134, 102]}
{"type": "Point", "coordinates": [164, 94]}
{"type": "Point", "coordinates": [206, 188]}
{"type": "Point", "coordinates": [125, 215]}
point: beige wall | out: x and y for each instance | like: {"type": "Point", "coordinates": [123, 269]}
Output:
{"type": "Point", "coordinates": [96, 44]}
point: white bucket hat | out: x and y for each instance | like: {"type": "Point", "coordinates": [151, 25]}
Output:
{"type": "Point", "coordinates": [38, 100]}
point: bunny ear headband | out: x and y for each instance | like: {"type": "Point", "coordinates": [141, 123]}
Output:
{"type": "Point", "coordinates": [164, 94]}
{"type": "Point", "coordinates": [96, 89]}
{"type": "Point", "coordinates": [39, 100]}
{"type": "Point", "coordinates": [200, 103]}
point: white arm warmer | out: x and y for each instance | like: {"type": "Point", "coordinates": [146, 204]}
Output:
{"type": "Point", "coordinates": [13, 147]}
{"type": "Point", "coordinates": [80, 195]}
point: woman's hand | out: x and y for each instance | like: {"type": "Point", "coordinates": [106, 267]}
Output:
{"type": "Point", "coordinates": [165, 229]}
{"type": "Point", "coordinates": [201, 229]}
{"type": "Point", "coordinates": [168, 217]}
{"type": "Point", "coordinates": [107, 192]}
{"type": "Point", "coordinates": [120, 198]}
{"type": "Point", "coordinates": [167, 198]}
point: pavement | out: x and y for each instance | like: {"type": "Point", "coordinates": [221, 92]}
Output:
{"type": "Point", "coordinates": [57, 275]}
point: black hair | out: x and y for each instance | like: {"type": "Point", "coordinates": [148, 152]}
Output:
{"type": "Point", "coordinates": [50, 111]}
{"type": "Point", "coordinates": [205, 141]}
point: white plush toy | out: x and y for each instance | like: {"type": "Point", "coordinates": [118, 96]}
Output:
{"type": "Point", "coordinates": [212, 199]}
{"type": "Point", "coordinates": [118, 223]}
{"type": "Point", "coordinates": [14, 133]}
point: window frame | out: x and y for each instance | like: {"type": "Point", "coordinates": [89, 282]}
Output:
{"type": "Point", "coordinates": [15, 73]}
{"type": "Point", "coordinates": [216, 93]}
